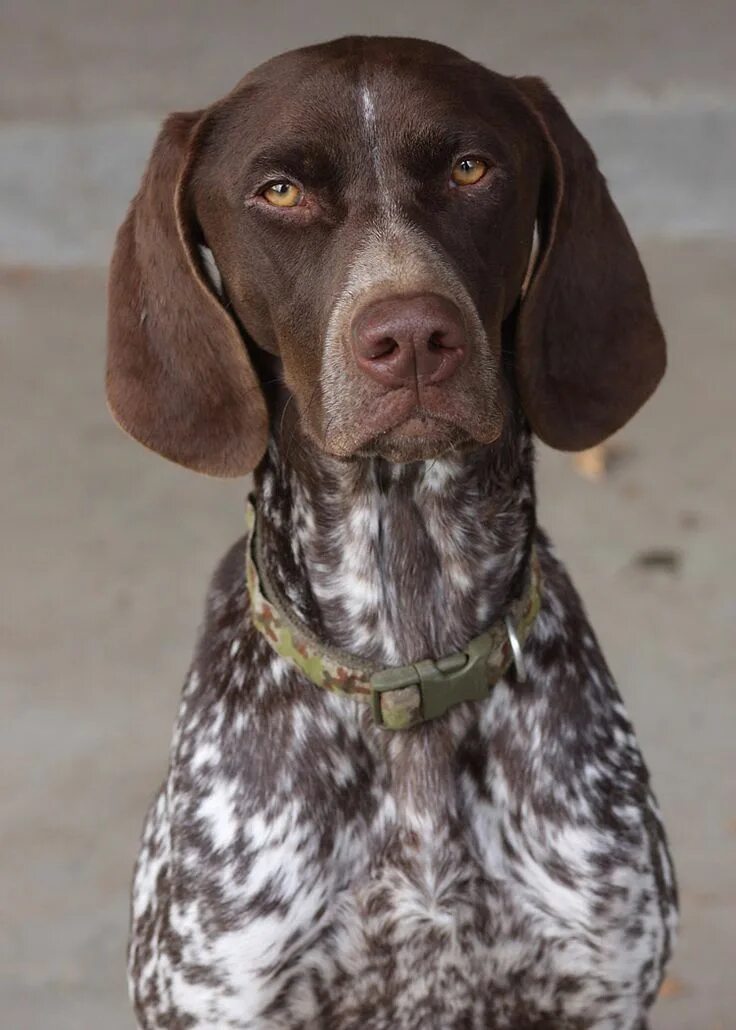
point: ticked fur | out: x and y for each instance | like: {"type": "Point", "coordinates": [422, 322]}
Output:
{"type": "Point", "coordinates": [504, 867]}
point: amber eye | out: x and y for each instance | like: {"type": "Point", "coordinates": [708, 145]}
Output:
{"type": "Point", "coordinates": [283, 194]}
{"type": "Point", "coordinates": [468, 170]}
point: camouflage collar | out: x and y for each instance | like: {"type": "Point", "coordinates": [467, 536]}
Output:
{"type": "Point", "coordinates": [400, 697]}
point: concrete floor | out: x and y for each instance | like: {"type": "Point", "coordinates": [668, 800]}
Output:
{"type": "Point", "coordinates": [107, 550]}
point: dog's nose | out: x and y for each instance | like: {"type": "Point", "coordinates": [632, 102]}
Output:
{"type": "Point", "coordinates": [400, 340]}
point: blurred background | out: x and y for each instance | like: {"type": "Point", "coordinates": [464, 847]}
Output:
{"type": "Point", "coordinates": [106, 549]}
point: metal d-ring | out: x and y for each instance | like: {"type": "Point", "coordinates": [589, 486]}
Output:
{"type": "Point", "coordinates": [516, 650]}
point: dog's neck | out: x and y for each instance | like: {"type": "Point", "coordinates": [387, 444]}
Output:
{"type": "Point", "coordinates": [395, 563]}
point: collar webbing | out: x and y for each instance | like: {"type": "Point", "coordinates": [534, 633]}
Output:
{"type": "Point", "coordinates": [400, 697]}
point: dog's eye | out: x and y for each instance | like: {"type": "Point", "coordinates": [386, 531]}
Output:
{"type": "Point", "coordinates": [468, 170]}
{"type": "Point", "coordinates": [283, 194]}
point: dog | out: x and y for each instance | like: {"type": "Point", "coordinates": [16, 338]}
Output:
{"type": "Point", "coordinates": [403, 789]}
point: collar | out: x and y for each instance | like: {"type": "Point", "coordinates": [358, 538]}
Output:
{"type": "Point", "coordinates": [399, 697]}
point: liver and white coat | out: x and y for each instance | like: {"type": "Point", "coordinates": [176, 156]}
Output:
{"type": "Point", "coordinates": [380, 350]}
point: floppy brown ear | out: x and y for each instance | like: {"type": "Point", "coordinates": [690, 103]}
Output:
{"type": "Point", "coordinates": [589, 349]}
{"type": "Point", "coordinates": [179, 378]}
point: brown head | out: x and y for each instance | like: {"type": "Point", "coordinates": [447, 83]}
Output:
{"type": "Point", "coordinates": [365, 213]}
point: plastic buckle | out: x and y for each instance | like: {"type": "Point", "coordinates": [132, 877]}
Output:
{"type": "Point", "coordinates": [388, 680]}
{"type": "Point", "coordinates": [443, 683]}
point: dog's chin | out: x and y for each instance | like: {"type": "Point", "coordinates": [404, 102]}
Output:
{"type": "Point", "coordinates": [419, 438]}
{"type": "Point", "coordinates": [416, 435]}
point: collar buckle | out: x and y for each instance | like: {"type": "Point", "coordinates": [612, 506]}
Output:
{"type": "Point", "coordinates": [411, 694]}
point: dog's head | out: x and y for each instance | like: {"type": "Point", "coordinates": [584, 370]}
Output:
{"type": "Point", "coordinates": [379, 214]}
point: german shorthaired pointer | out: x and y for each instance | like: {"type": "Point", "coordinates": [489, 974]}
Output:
{"type": "Point", "coordinates": [404, 791]}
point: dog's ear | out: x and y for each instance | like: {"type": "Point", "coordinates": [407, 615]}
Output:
{"type": "Point", "coordinates": [179, 378]}
{"type": "Point", "coordinates": [589, 348]}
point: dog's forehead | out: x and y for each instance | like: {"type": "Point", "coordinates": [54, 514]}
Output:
{"type": "Point", "coordinates": [355, 58]}
{"type": "Point", "coordinates": [325, 89]}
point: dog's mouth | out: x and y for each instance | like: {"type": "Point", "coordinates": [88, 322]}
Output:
{"type": "Point", "coordinates": [403, 427]}
{"type": "Point", "coordinates": [419, 437]}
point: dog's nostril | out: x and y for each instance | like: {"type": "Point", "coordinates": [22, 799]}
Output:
{"type": "Point", "coordinates": [436, 341]}
{"type": "Point", "coordinates": [383, 348]}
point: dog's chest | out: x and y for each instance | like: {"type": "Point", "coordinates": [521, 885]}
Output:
{"type": "Point", "coordinates": [323, 875]}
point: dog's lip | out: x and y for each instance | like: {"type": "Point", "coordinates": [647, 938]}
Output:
{"type": "Point", "coordinates": [411, 422]}
{"type": "Point", "coordinates": [398, 407]}
{"type": "Point", "coordinates": [415, 431]}
{"type": "Point", "coordinates": [404, 417]}
{"type": "Point", "coordinates": [420, 424]}
{"type": "Point", "coordinates": [421, 436]}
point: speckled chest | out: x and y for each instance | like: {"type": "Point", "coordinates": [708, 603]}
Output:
{"type": "Point", "coordinates": [505, 868]}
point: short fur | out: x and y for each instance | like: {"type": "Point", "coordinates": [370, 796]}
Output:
{"type": "Point", "coordinates": [504, 866]}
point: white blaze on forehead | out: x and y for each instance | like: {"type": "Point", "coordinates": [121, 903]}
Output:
{"type": "Point", "coordinates": [369, 110]}
{"type": "Point", "coordinates": [368, 118]}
